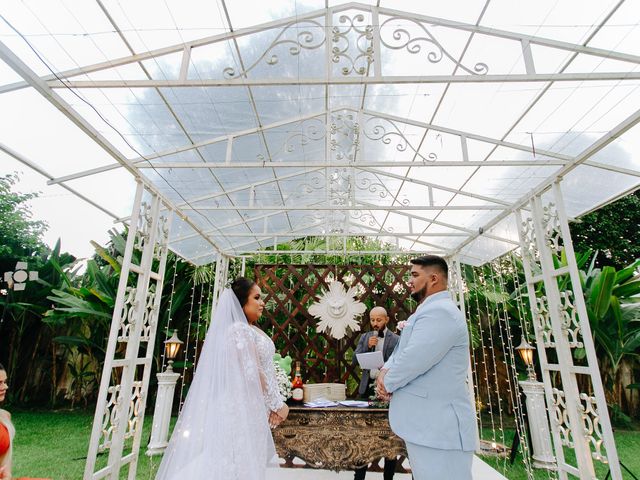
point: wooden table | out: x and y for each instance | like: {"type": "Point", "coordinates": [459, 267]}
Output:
{"type": "Point", "coordinates": [337, 438]}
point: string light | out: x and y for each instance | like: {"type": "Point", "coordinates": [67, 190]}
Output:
{"type": "Point", "coordinates": [492, 350]}
{"type": "Point", "coordinates": [186, 347]}
{"type": "Point", "coordinates": [484, 353]}
{"type": "Point", "coordinates": [197, 340]}
{"type": "Point", "coordinates": [173, 289]}
{"type": "Point", "coordinates": [512, 375]}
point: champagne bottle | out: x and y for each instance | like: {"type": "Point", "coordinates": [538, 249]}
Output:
{"type": "Point", "coordinates": [297, 392]}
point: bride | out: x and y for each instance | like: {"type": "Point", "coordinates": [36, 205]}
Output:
{"type": "Point", "coordinates": [223, 431]}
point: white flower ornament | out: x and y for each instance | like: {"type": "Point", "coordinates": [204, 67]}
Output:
{"type": "Point", "coordinates": [337, 310]}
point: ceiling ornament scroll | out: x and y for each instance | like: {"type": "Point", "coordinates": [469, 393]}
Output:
{"type": "Point", "coordinates": [303, 38]}
{"type": "Point", "coordinates": [387, 131]}
{"type": "Point", "coordinates": [361, 56]}
{"type": "Point", "coordinates": [401, 38]}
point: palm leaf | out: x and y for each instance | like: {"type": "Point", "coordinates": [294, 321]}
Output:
{"type": "Point", "coordinates": [627, 272]}
{"type": "Point", "coordinates": [600, 295]}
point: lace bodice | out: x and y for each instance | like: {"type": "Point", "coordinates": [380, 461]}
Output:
{"type": "Point", "coordinates": [253, 341]}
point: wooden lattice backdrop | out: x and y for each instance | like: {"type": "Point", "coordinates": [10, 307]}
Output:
{"type": "Point", "coordinates": [289, 290]}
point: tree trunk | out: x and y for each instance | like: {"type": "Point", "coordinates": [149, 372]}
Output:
{"type": "Point", "coordinates": [25, 385]}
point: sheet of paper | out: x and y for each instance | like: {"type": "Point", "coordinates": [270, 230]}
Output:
{"type": "Point", "coordinates": [321, 402]}
{"type": "Point", "coordinates": [354, 403]}
{"type": "Point", "coordinates": [370, 360]}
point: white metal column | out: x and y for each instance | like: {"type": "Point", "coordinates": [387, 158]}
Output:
{"type": "Point", "coordinates": [579, 420]}
{"type": "Point", "coordinates": [125, 378]}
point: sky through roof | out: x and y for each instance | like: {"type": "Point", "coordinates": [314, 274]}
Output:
{"type": "Point", "coordinates": [424, 124]}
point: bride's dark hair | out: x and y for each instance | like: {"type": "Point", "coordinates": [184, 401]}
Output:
{"type": "Point", "coordinates": [241, 286]}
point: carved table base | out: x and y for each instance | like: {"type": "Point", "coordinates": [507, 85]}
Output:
{"type": "Point", "coordinates": [337, 438]}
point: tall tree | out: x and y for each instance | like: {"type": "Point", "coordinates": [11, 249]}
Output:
{"type": "Point", "coordinates": [20, 235]}
{"type": "Point", "coordinates": [612, 230]}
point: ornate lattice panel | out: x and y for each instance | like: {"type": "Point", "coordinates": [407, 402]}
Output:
{"type": "Point", "coordinates": [289, 290]}
{"type": "Point", "coordinates": [119, 416]}
{"type": "Point", "coordinates": [575, 396]}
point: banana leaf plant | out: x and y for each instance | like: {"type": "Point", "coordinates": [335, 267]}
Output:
{"type": "Point", "coordinates": [612, 299]}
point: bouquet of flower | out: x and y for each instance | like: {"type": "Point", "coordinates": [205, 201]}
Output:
{"type": "Point", "coordinates": [284, 384]}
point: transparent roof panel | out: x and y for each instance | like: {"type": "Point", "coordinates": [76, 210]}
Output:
{"type": "Point", "coordinates": [415, 123]}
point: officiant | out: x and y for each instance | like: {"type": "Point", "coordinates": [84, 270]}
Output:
{"type": "Point", "coordinates": [379, 339]}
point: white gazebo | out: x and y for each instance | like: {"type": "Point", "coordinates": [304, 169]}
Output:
{"type": "Point", "coordinates": [462, 128]}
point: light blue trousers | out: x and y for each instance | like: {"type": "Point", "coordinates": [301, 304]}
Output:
{"type": "Point", "coordinates": [434, 464]}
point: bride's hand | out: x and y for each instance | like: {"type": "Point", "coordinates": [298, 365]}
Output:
{"type": "Point", "coordinates": [283, 412]}
{"type": "Point", "coordinates": [274, 420]}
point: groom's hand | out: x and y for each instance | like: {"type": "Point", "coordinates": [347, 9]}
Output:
{"type": "Point", "coordinates": [381, 390]}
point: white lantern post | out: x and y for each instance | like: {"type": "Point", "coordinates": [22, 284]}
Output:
{"type": "Point", "coordinates": [164, 399]}
{"type": "Point", "coordinates": [536, 412]}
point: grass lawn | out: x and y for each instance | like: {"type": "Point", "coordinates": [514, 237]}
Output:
{"type": "Point", "coordinates": [54, 445]}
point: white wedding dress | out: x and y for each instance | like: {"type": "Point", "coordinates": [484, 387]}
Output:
{"type": "Point", "coordinates": [223, 430]}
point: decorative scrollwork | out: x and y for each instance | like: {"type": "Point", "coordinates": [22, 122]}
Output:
{"type": "Point", "coordinates": [109, 418]}
{"type": "Point", "coordinates": [311, 130]}
{"type": "Point", "coordinates": [143, 228]}
{"type": "Point", "coordinates": [544, 322]}
{"type": "Point", "coordinates": [149, 315]}
{"type": "Point", "coordinates": [340, 187]}
{"type": "Point", "coordinates": [135, 407]}
{"type": "Point", "coordinates": [551, 226]}
{"type": "Point", "coordinates": [570, 321]}
{"type": "Point", "coordinates": [529, 248]}
{"type": "Point", "coordinates": [385, 130]}
{"type": "Point", "coordinates": [366, 183]}
{"type": "Point", "coordinates": [368, 218]}
{"type": "Point", "coordinates": [304, 39]}
{"type": "Point", "coordinates": [162, 238]}
{"type": "Point", "coordinates": [561, 418]}
{"type": "Point", "coordinates": [127, 318]}
{"type": "Point", "coordinates": [344, 136]}
{"type": "Point", "coordinates": [358, 64]}
{"type": "Point", "coordinates": [592, 428]}
{"type": "Point", "coordinates": [314, 183]}
{"type": "Point", "coordinates": [401, 39]}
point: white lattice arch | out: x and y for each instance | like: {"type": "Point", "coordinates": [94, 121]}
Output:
{"type": "Point", "coordinates": [322, 139]}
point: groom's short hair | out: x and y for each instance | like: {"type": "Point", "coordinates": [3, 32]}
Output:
{"type": "Point", "coordinates": [433, 261]}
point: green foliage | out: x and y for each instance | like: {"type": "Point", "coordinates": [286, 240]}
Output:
{"type": "Point", "coordinates": [614, 316]}
{"type": "Point", "coordinates": [20, 236]}
{"type": "Point", "coordinates": [613, 230]}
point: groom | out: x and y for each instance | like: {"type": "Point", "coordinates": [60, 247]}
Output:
{"type": "Point", "coordinates": [425, 379]}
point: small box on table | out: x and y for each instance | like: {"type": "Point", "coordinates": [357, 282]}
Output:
{"type": "Point", "coordinates": [330, 391]}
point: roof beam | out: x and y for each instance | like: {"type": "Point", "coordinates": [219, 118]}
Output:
{"type": "Point", "coordinates": [355, 80]}
{"type": "Point", "coordinates": [434, 185]}
{"type": "Point", "coordinates": [283, 208]}
{"type": "Point", "coordinates": [447, 225]}
{"type": "Point", "coordinates": [612, 168]}
{"type": "Point", "coordinates": [359, 163]}
{"type": "Point", "coordinates": [469, 135]}
{"type": "Point", "coordinates": [24, 160]}
{"type": "Point", "coordinates": [372, 233]}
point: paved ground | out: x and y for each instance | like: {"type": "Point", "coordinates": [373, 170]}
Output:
{"type": "Point", "coordinates": [481, 471]}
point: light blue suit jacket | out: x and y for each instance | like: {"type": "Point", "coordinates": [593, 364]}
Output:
{"type": "Point", "coordinates": [431, 404]}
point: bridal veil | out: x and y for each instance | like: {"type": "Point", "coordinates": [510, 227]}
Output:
{"type": "Point", "coordinates": [223, 431]}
